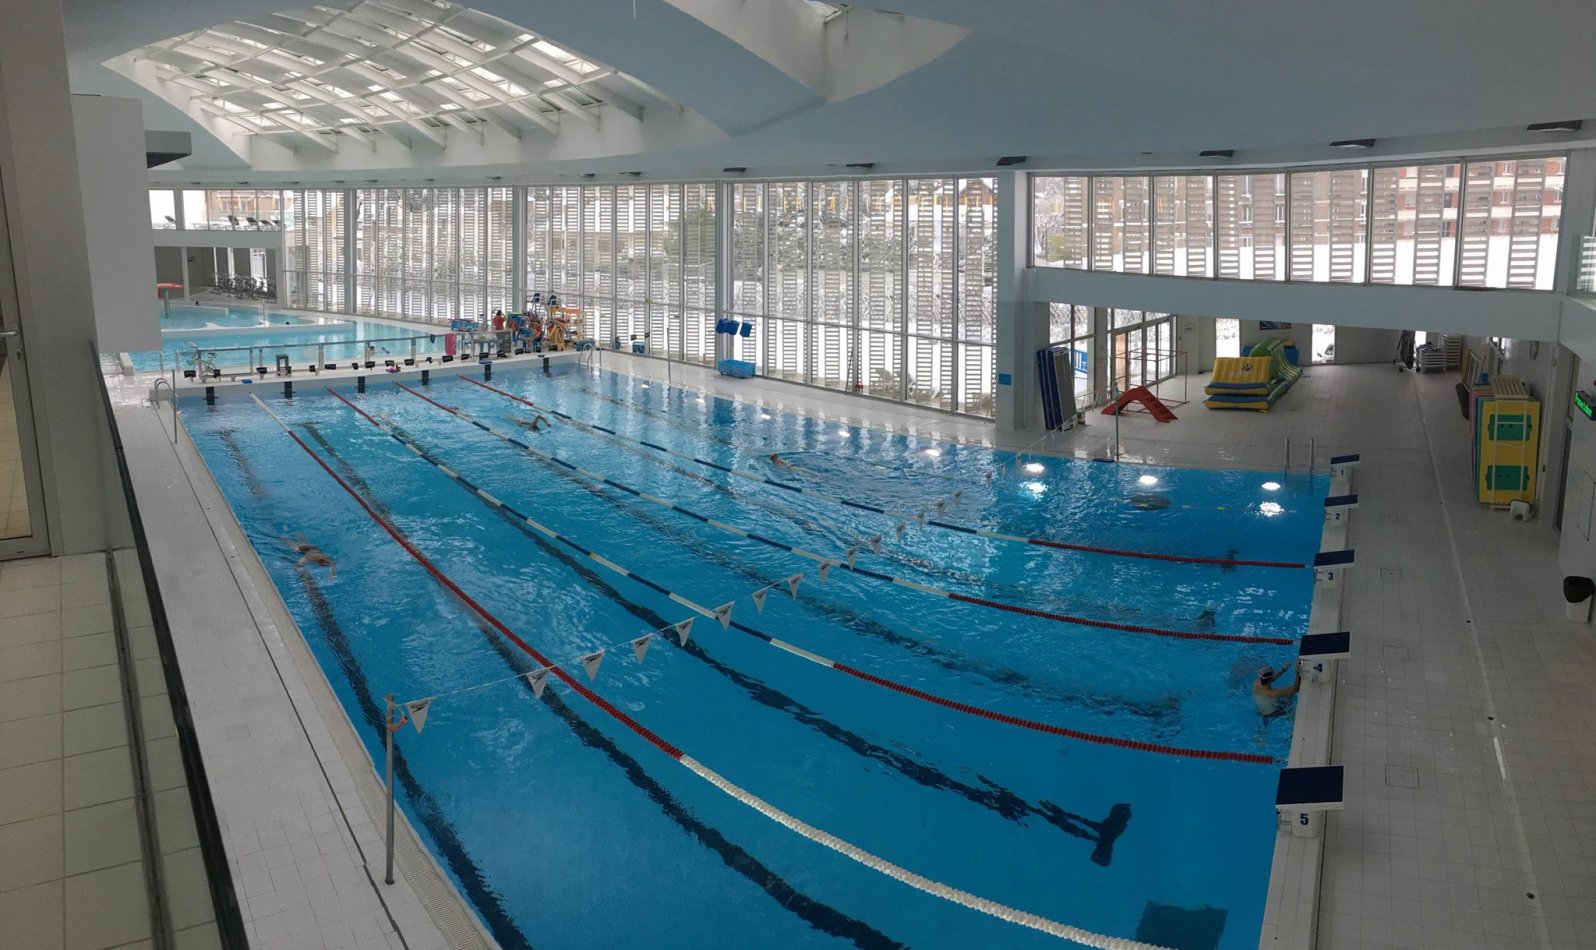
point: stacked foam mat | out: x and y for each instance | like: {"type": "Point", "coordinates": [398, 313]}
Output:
{"type": "Point", "coordinates": [1254, 381]}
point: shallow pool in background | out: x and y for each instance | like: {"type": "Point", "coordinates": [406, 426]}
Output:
{"type": "Point", "coordinates": [565, 829]}
{"type": "Point", "coordinates": [187, 316]}
{"type": "Point", "coordinates": [300, 343]}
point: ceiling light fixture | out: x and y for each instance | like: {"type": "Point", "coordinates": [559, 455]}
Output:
{"type": "Point", "coordinates": [865, 165]}
{"type": "Point", "coordinates": [1353, 143]}
{"type": "Point", "coordinates": [734, 169]}
{"type": "Point", "coordinates": [1217, 153]}
{"type": "Point", "coordinates": [1008, 160]}
{"type": "Point", "coordinates": [1567, 125]}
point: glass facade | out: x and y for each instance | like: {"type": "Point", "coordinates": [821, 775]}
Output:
{"type": "Point", "coordinates": [432, 254]}
{"type": "Point", "coordinates": [638, 260]}
{"type": "Point", "coordinates": [314, 260]}
{"type": "Point", "coordinates": [878, 286]}
{"type": "Point", "coordinates": [1475, 223]}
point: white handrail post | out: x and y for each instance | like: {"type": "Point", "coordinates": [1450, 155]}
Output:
{"type": "Point", "coordinates": [389, 728]}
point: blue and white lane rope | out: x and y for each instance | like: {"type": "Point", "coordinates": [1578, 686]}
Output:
{"type": "Point", "coordinates": [723, 615]}
{"type": "Point", "coordinates": [847, 562]}
{"type": "Point", "coordinates": [902, 517]}
{"type": "Point", "coordinates": [819, 836]}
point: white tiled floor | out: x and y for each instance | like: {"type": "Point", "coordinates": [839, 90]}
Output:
{"type": "Point", "coordinates": [71, 867]}
{"type": "Point", "coordinates": [1459, 646]}
{"type": "Point", "coordinates": [293, 790]}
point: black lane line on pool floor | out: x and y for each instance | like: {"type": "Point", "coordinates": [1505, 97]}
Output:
{"type": "Point", "coordinates": [998, 799]}
{"type": "Point", "coordinates": [860, 621]}
{"type": "Point", "coordinates": [817, 914]}
{"type": "Point", "coordinates": [451, 849]}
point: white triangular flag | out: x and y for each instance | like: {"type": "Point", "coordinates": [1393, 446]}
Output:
{"type": "Point", "coordinates": [875, 544]}
{"type": "Point", "coordinates": [684, 630]}
{"type": "Point", "coordinates": [640, 646]}
{"type": "Point", "coordinates": [853, 555]}
{"type": "Point", "coordinates": [759, 598]}
{"type": "Point", "coordinates": [723, 614]}
{"type": "Point", "coordinates": [418, 711]}
{"type": "Point", "coordinates": [900, 528]}
{"type": "Point", "coordinates": [958, 496]}
{"type": "Point", "coordinates": [825, 569]}
{"type": "Point", "coordinates": [942, 506]}
{"type": "Point", "coordinates": [538, 679]}
{"type": "Point", "coordinates": [591, 662]}
{"type": "Point", "coordinates": [920, 517]}
{"type": "Point", "coordinates": [792, 584]}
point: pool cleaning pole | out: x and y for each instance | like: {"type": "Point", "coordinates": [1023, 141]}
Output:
{"type": "Point", "coordinates": [388, 722]}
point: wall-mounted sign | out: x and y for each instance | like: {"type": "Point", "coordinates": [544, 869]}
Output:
{"type": "Point", "coordinates": [1585, 403]}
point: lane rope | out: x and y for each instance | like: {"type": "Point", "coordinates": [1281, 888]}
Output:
{"type": "Point", "coordinates": [847, 562]}
{"type": "Point", "coordinates": [905, 517]}
{"type": "Point", "coordinates": [723, 614]}
{"type": "Point", "coordinates": [826, 839]}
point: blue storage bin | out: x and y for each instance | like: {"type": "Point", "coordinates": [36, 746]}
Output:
{"type": "Point", "coordinates": [742, 369]}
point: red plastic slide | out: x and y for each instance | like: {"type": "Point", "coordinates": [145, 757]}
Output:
{"type": "Point", "coordinates": [1140, 394]}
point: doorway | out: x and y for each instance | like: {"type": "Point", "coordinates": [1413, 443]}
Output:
{"type": "Point", "coordinates": [22, 532]}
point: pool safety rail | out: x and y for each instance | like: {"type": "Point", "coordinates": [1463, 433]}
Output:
{"type": "Point", "coordinates": [904, 518]}
{"type": "Point", "coordinates": [847, 562]}
{"type": "Point", "coordinates": [840, 846]}
{"type": "Point", "coordinates": [723, 614]}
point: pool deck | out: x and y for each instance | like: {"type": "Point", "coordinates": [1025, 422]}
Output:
{"type": "Point", "coordinates": [1466, 716]}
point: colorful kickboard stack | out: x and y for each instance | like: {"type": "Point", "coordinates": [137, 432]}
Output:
{"type": "Point", "coordinates": [1253, 381]}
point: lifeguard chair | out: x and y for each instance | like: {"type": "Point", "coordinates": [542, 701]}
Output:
{"type": "Point", "coordinates": [567, 328]}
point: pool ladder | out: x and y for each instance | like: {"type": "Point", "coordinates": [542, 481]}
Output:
{"type": "Point", "coordinates": [1312, 447]}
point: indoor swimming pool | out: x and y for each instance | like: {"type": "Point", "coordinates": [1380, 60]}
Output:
{"type": "Point", "coordinates": [334, 341]}
{"type": "Point", "coordinates": [184, 316]}
{"type": "Point", "coordinates": [1066, 733]}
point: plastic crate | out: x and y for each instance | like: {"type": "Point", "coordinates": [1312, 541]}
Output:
{"type": "Point", "coordinates": [742, 369]}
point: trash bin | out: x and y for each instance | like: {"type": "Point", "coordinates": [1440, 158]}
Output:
{"type": "Point", "coordinates": [1578, 593]}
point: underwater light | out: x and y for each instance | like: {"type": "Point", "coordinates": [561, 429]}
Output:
{"type": "Point", "coordinates": [1271, 508]}
{"type": "Point", "coordinates": [1147, 480]}
{"type": "Point", "coordinates": [1271, 486]}
{"type": "Point", "coordinates": [934, 453]}
{"type": "Point", "coordinates": [1034, 487]}
{"type": "Point", "coordinates": [1035, 468]}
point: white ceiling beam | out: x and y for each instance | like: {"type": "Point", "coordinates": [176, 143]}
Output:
{"type": "Point", "coordinates": [566, 104]}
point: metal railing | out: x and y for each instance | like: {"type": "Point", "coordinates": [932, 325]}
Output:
{"type": "Point", "coordinates": [206, 361]}
{"type": "Point", "coordinates": [140, 623]}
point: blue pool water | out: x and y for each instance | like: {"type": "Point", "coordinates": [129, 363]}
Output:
{"type": "Point", "coordinates": [301, 344]}
{"type": "Point", "coordinates": [565, 829]}
{"type": "Point", "coordinates": [215, 316]}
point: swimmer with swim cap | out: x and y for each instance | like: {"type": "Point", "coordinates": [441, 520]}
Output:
{"type": "Point", "coordinates": [309, 553]}
{"type": "Point", "coordinates": [537, 421]}
{"type": "Point", "coordinates": [1270, 699]}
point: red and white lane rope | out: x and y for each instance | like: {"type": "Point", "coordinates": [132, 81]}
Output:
{"type": "Point", "coordinates": [826, 839]}
{"type": "Point", "coordinates": [847, 562]}
{"type": "Point", "coordinates": [724, 615]}
{"type": "Point", "coordinates": [920, 517]}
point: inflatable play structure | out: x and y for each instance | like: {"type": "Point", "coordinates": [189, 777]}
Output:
{"type": "Point", "coordinates": [1148, 401]}
{"type": "Point", "coordinates": [1254, 381]}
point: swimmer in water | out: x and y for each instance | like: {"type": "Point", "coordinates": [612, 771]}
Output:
{"type": "Point", "coordinates": [537, 422]}
{"type": "Point", "coordinates": [311, 554]}
{"type": "Point", "coordinates": [779, 462]}
{"type": "Point", "coordinates": [1270, 699]}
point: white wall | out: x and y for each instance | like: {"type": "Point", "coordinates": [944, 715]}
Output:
{"type": "Point", "coordinates": [116, 208]}
{"type": "Point", "coordinates": [44, 218]}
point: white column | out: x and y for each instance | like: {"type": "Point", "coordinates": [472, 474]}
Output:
{"type": "Point", "coordinates": [44, 211]}
{"type": "Point", "coordinates": [1021, 323]}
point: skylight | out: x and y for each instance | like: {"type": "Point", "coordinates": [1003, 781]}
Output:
{"type": "Point", "coordinates": [389, 65]}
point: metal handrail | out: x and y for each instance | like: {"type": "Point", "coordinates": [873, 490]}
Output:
{"type": "Point", "coordinates": [224, 900]}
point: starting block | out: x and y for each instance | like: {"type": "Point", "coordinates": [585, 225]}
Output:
{"type": "Point", "coordinates": [1317, 653]}
{"type": "Point", "coordinates": [1341, 466]}
{"type": "Point", "coordinates": [1336, 508]}
{"type": "Point", "coordinates": [1328, 566]}
{"type": "Point", "coordinates": [1309, 792]}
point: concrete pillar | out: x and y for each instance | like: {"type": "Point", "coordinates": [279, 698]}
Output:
{"type": "Point", "coordinates": [1022, 326]}
{"type": "Point", "coordinates": [44, 218]}
{"type": "Point", "coordinates": [1579, 209]}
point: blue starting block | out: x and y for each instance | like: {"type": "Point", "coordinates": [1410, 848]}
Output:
{"type": "Point", "coordinates": [1318, 652]}
{"type": "Point", "coordinates": [1328, 566]}
{"type": "Point", "coordinates": [1336, 508]}
{"type": "Point", "coordinates": [1309, 792]}
{"type": "Point", "coordinates": [1341, 466]}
